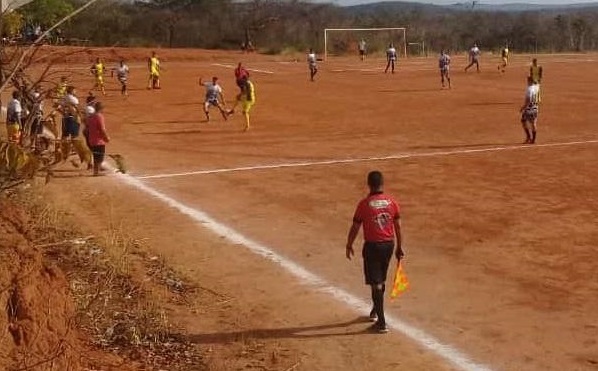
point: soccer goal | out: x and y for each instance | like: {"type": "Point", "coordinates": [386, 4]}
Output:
{"type": "Point", "coordinates": [340, 41]}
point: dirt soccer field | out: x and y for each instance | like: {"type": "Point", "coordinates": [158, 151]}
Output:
{"type": "Point", "coordinates": [501, 238]}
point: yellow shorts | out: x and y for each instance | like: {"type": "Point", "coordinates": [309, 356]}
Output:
{"type": "Point", "coordinates": [13, 131]}
{"type": "Point", "coordinates": [100, 80]}
{"type": "Point", "coordinates": [247, 106]}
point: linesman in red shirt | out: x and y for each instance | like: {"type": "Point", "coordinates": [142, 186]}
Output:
{"type": "Point", "coordinates": [380, 216]}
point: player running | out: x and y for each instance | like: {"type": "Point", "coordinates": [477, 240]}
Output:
{"type": "Point", "coordinates": [247, 100]}
{"type": "Point", "coordinates": [153, 65]}
{"type": "Point", "coordinates": [214, 97]}
{"type": "Point", "coordinates": [504, 55]}
{"type": "Point", "coordinates": [311, 61]}
{"type": "Point", "coordinates": [97, 70]}
{"type": "Point", "coordinates": [241, 75]}
{"type": "Point", "coordinates": [535, 73]}
{"type": "Point", "coordinates": [474, 58]}
{"type": "Point", "coordinates": [443, 64]}
{"type": "Point", "coordinates": [391, 57]}
{"type": "Point", "coordinates": [122, 73]}
{"type": "Point", "coordinates": [529, 111]}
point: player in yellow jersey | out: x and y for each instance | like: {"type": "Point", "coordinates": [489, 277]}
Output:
{"type": "Point", "coordinates": [61, 88]}
{"type": "Point", "coordinates": [153, 65]}
{"type": "Point", "coordinates": [97, 70]}
{"type": "Point", "coordinates": [535, 73]}
{"type": "Point", "coordinates": [247, 99]}
{"type": "Point", "coordinates": [504, 55]}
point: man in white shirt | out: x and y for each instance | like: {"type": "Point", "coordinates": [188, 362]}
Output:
{"type": "Point", "coordinates": [122, 73]}
{"type": "Point", "coordinates": [311, 61]}
{"type": "Point", "coordinates": [362, 49]}
{"type": "Point", "coordinates": [529, 111]}
{"type": "Point", "coordinates": [14, 112]}
{"type": "Point", "coordinates": [214, 97]}
{"type": "Point", "coordinates": [391, 57]}
{"type": "Point", "coordinates": [69, 108]}
{"type": "Point", "coordinates": [474, 58]}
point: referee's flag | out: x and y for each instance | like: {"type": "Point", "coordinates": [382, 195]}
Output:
{"type": "Point", "coordinates": [401, 284]}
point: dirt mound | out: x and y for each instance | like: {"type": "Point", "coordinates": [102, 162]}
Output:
{"type": "Point", "coordinates": [36, 331]}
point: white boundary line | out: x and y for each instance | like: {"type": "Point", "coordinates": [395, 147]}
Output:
{"type": "Point", "coordinates": [365, 159]}
{"type": "Point", "coordinates": [448, 353]}
{"type": "Point", "coordinates": [249, 69]}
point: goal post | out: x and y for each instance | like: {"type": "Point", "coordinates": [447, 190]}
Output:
{"type": "Point", "coordinates": [400, 30]}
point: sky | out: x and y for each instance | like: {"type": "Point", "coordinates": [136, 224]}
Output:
{"type": "Point", "coordinates": [445, 2]}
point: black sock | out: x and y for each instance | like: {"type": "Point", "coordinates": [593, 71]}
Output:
{"type": "Point", "coordinates": [378, 298]}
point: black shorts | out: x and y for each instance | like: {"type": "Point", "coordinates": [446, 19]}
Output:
{"type": "Point", "coordinates": [98, 153]}
{"type": "Point", "coordinates": [376, 258]}
{"type": "Point", "coordinates": [70, 126]}
{"type": "Point", "coordinates": [530, 114]}
{"type": "Point", "coordinates": [37, 126]}
{"type": "Point", "coordinates": [362, 52]}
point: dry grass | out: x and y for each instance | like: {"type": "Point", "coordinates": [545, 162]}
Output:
{"type": "Point", "coordinates": [118, 291]}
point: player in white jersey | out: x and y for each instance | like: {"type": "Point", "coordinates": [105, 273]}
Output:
{"type": "Point", "coordinates": [474, 58]}
{"type": "Point", "coordinates": [444, 65]}
{"type": "Point", "coordinates": [214, 97]}
{"type": "Point", "coordinates": [311, 61]}
{"type": "Point", "coordinates": [391, 57]}
{"type": "Point", "coordinates": [529, 111]}
{"type": "Point", "coordinates": [122, 73]}
{"type": "Point", "coordinates": [362, 49]}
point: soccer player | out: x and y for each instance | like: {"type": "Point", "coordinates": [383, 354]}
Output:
{"type": "Point", "coordinates": [122, 74]}
{"type": "Point", "coordinates": [362, 49]}
{"type": "Point", "coordinates": [444, 64]}
{"type": "Point", "coordinates": [504, 54]}
{"type": "Point", "coordinates": [380, 216]}
{"type": "Point", "coordinates": [97, 70]}
{"type": "Point", "coordinates": [214, 97]}
{"type": "Point", "coordinates": [311, 61]}
{"type": "Point", "coordinates": [529, 111]}
{"type": "Point", "coordinates": [535, 73]}
{"type": "Point", "coordinates": [247, 99]}
{"type": "Point", "coordinates": [153, 65]}
{"type": "Point", "coordinates": [391, 57]}
{"type": "Point", "coordinates": [241, 74]}
{"type": "Point", "coordinates": [474, 58]}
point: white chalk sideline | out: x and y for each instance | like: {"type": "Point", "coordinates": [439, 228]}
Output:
{"type": "Point", "coordinates": [365, 159]}
{"type": "Point", "coordinates": [447, 352]}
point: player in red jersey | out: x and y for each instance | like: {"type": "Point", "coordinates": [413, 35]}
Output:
{"type": "Point", "coordinates": [380, 216]}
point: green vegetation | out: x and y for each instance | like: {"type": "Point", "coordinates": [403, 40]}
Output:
{"type": "Point", "coordinates": [275, 25]}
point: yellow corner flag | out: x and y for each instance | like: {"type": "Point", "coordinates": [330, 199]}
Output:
{"type": "Point", "coordinates": [401, 284]}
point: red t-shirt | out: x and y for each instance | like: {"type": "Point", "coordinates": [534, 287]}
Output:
{"type": "Point", "coordinates": [377, 212]}
{"type": "Point", "coordinates": [96, 128]}
{"type": "Point", "coordinates": [241, 73]}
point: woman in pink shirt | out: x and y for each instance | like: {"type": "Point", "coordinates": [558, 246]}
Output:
{"type": "Point", "coordinates": [98, 137]}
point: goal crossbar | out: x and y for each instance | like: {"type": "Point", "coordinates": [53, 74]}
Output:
{"type": "Point", "coordinates": [326, 30]}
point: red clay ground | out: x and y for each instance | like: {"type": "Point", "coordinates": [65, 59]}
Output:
{"type": "Point", "coordinates": [500, 244]}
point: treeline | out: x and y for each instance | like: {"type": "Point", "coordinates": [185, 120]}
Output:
{"type": "Point", "coordinates": [274, 26]}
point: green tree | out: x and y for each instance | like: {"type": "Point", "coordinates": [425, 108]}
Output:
{"type": "Point", "coordinates": [46, 12]}
{"type": "Point", "coordinates": [12, 22]}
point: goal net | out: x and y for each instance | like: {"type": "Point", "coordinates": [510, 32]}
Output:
{"type": "Point", "coordinates": [345, 41]}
